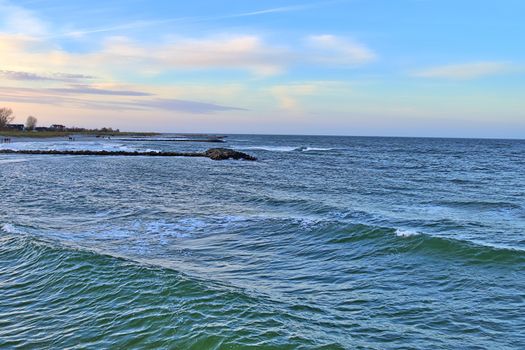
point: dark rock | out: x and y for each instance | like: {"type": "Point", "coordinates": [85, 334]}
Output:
{"type": "Point", "coordinates": [226, 153]}
{"type": "Point", "coordinates": [214, 153]}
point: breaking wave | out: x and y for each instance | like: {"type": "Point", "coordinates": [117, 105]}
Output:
{"type": "Point", "coordinates": [71, 146]}
{"type": "Point", "coordinates": [286, 148]}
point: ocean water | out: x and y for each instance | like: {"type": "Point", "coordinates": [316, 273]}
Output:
{"type": "Point", "coordinates": [323, 243]}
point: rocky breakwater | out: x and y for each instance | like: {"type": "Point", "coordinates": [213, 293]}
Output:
{"type": "Point", "coordinates": [212, 153]}
{"type": "Point", "coordinates": [226, 153]}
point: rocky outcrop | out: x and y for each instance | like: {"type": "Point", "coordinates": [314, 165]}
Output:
{"type": "Point", "coordinates": [213, 153]}
{"type": "Point", "coordinates": [226, 153]}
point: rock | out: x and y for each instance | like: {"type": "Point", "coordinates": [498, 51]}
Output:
{"type": "Point", "coordinates": [226, 153]}
{"type": "Point", "coordinates": [213, 153]}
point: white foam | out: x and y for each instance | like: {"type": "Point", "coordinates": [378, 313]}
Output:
{"type": "Point", "coordinates": [9, 228]}
{"type": "Point", "coordinates": [269, 148]}
{"type": "Point", "coordinates": [181, 229]}
{"type": "Point", "coordinates": [284, 148]}
{"type": "Point", "coordinates": [406, 233]}
{"type": "Point", "coordinates": [306, 149]}
{"type": "Point", "coordinates": [70, 146]}
{"type": "Point", "coordinates": [7, 161]}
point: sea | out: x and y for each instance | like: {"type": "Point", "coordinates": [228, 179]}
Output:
{"type": "Point", "coordinates": [322, 243]}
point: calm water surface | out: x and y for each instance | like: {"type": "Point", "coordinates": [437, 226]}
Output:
{"type": "Point", "coordinates": [324, 243]}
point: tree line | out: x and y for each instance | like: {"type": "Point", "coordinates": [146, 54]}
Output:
{"type": "Point", "coordinates": [7, 116]}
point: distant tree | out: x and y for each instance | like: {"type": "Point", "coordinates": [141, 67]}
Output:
{"type": "Point", "coordinates": [31, 123]}
{"type": "Point", "coordinates": [6, 117]}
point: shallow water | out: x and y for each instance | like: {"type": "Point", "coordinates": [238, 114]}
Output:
{"type": "Point", "coordinates": [325, 242]}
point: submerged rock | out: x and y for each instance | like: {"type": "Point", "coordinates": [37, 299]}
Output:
{"type": "Point", "coordinates": [226, 153]}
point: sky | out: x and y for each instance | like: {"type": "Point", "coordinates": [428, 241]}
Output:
{"type": "Point", "coordinates": [438, 68]}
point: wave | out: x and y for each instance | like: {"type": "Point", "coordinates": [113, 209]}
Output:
{"type": "Point", "coordinates": [130, 299]}
{"type": "Point", "coordinates": [144, 239]}
{"type": "Point", "coordinates": [8, 161]}
{"type": "Point", "coordinates": [388, 240]}
{"type": "Point", "coordinates": [286, 148]}
{"type": "Point", "coordinates": [406, 233]}
{"type": "Point", "coordinates": [10, 228]}
{"type": "Point", "coordinates": [479, 205]}
{"type": "Point", "coordinates": [71, 146]}
{"type": "Point", "coordinates": [319, 149]}
{"type": "Point", "coordinates": [133, 237]}
{"type": "Point", "coordinates": [268, 148]}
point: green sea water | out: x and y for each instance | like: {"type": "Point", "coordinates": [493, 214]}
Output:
{"type": "Point", "coordinates": [324, 243]}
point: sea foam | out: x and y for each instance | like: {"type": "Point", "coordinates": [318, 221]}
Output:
{"type": "Point", "coordinates": [70, 146]}
{"type": "Point", "coordinates": [285, 148]}
{"type": "Point", "coordinates": [406, 233]}
{"type": "Point", "coordinates": [10, 228]}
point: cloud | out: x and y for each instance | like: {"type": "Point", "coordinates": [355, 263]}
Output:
{"type": "Point", "coordinates": [292, 8]}
{"type": "Point", "coordinates": [465, 71]}
{"type": "Point", "coordinates": [185, 106]}
{"type": "Point", "coordinates": [18, 20]}
{"type": "Point", "coordinates": [76, 97]}
{"type": "Point", "coordinates": [248, 53]}
{"type": "Point", "coordinates": [288, 95]}
{"type": "Point", "coordinates": [28, 76]}
{"type": "Point", "coordinates": [150, 23]}
{"type": "Point", "coordinates": [244, 52]}
{"type": "Point", "coordinates": [299, 96]}
{"type": "Point", "coordinates": [90, 90]}
{"type": "Point", "coordinates": [122, 55]}
{"type": "Point", "coordinates": [331, 49]}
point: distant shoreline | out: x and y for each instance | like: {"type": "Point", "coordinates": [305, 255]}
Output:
{"type": "Point", "coordinates": [53, 134]}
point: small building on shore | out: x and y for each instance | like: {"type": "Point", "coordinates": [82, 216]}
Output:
{"type": "Point", "coordinates": [57, 127]}
{"type": "Point", "coordinates": [19, 127]}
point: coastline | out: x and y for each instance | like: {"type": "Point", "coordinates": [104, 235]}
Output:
{"type": "Point", "coordinates": [61, 134]}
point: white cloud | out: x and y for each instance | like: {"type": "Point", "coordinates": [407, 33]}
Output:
{"type": "Point", "coordinates": [288, 96]}
{"type": "Point", "coordinates": [34, 62]}
{"type": "Point", "coordinates": [18, 20]}
{"type": "Point", "coordinates": [331, 49]}
{"type": "Point", "coordinates": [295, 97]}
{"type": "Point", "coordinates": [120, 54]}
{"type": "Point", "coordinates": [465, 71]}
{"type": "Point", "coordinates": [242, 52]}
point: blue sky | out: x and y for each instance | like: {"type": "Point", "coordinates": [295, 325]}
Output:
{"type": "Point", "coordinates": [356, 67]}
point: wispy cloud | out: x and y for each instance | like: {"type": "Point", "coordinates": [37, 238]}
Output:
{"type": "Point", "coordinates": [185, 106]}
{"type": "Point", "coordinates": [297, 96]}
{"type": "Point", "coordinates": [86, 98]}
{"type": "Point", "coordinates": [243, 52]}
{"type": "Point", "coordinates": [18, 20]}
{"type": "Point", "coordinates": [90, 90]}
{"type": "Point", "coordinates": [157, 22]}
{"type": "Point", "coordinates": [332, 49]}
{"type": "Point", "coordinates": [125, 56]}
{"type": "Point", "coordinates": [29, 76]}
{"type": "Point", "coordinates": [466, 71]}
{"type": "Point", "coordinates": [293, 8]}
{"type": "Point", "coordinates": [288, 95]}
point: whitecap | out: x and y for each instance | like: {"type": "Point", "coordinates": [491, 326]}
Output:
{"type": "Point", "coordinates": [7, 161]}
{"type": "Point", "coordinates": [406, 233]}
{"type": "Point", "coordinates": [10, 228]}
{"type": "Point", "coordinates": [285, 148]}
{"type": "Point", "coordinates": [70, 146]}
{"type": "Point", "coordinates": [307, 149]}
{"type": "Point", "coordinates": [269, 148]}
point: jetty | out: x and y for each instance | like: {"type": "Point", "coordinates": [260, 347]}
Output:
{"type": "Point", "coordinates": [212, 153]}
